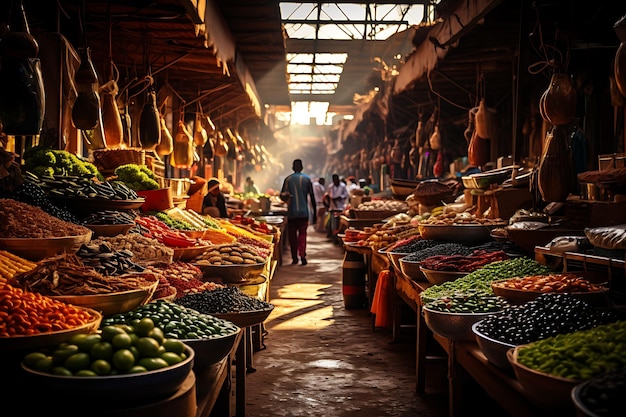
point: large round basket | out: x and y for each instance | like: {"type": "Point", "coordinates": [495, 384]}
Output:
{"type": "Point", "coordinates": [549, 391]}
{"type": "Point", "coordinates": [111, 303]}
{"type": "Point", "coordinates": [36, 249]}
{"type": "Point", "coordinates": [231, 274]}
{"type": "Point", "coordinates": [39, 340]}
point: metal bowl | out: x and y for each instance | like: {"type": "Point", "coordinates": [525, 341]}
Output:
{"type": "Point", "coordinates": [411, 269]}
{"type": "Point", "coordinates": [454, 326]}
{"type": "Point", "coordinates": [246, 318]}
{"type": "Point", "coordinates": [521, 296]}
{"type": "Point", "coordinates": [494, 350]}
{"type": "Point", "coordinates": [394, 257]}
{"type": "Point", "coordinates": [458, 233]}
{"type": "Point", "coordinates": [142, 386]}
{"type": "Point", "coordinates": [232, 274]}
{"type": "Point", "coordinates": [439, 277]}
{"type": "Point", "coordinates": [212, 350]}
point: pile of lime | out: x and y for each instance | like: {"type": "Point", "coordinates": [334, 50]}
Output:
{"type": "Point", "coordinates": [115, 350]}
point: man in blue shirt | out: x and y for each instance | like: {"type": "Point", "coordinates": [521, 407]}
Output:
{"type": "Point", "coordinates": [299, 188]}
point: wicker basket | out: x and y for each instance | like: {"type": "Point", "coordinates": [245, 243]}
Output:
{"type": "Point", "coordinates": [106, 160]}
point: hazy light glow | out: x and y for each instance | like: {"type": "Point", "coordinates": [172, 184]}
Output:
{"type": "Point", "coordinates": [319, 21]}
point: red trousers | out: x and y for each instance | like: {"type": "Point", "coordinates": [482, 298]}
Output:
{"type": "Point", "coordinates": [296, 232]}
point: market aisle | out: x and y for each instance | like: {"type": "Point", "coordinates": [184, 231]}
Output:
{"type": "Point", "coordinates": [323, 360]}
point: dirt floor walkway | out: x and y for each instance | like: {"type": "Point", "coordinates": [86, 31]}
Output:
{"type": "Point", "coordinates": [321, 359]}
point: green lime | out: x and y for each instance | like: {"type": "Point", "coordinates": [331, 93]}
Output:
{"type": "Point", "coordinates": [86, 372]}
{"type": "Point", "coordinates": [44, 364]}
{"type": "Point", "coordinates": [137, 369]}
{"type": "Point", "coordinates": [78, 361]}
{"type": "Point", "coordinates": [148, 347]}
{"type": "Point", "coordinates": [101, 367]}
{"type": "Point", "coordinates": [85, 343]}
{"type": "Point", "coordinates": [102, 350]}
{"type": "Point", "coordinates": [144, 326]}
{"type": "Point", "coordinates": [171, 358]}
{"type": "Point", "coordinates": [123, 360]}
{"type": "Point", "coordinates": [61, 371]}
{"type": "Point", "coordinates": [122, 341]}
{"type": "Point", "coordinates": [32, 358]}
{"type": "Point", "coordinates": [108, 332]}
{"type": "Point", "coordinates": [174, 345]}
{"type": "Point", "coordinates": [60, 355]}
{"type": "Point", "coordinates": [153, 363]}
{"type": "Point", "coordinates": [157, 334]}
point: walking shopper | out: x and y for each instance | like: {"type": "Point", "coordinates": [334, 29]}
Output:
{"type": "Point", "coordinates": [319, 189]}
{"type": "Point", "coordinates": [299, 189]}
{"type": "Point", "coordinates": [338, 194]}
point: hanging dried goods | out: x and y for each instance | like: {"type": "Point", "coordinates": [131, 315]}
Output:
{"type": "Point", "coordinates": [86, 107]}
{"type": "Point", "coordinates": [182, 155]}
{"type": "Point", "coordinates": [22, 102]}
{"type": "Point", "coordinates": [166, 144]}
{"type": "Point", "coordinates": [111, 119]}
{"type": "Point", "coordinates": [150, 123]}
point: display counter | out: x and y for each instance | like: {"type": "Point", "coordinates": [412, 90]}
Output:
{"type": "Point", "coordinates": [465, 360]}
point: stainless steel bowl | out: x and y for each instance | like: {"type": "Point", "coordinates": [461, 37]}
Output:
{"type": "Point", "coordinates": [494, 350]}
{"type": "Point", "coordinates": [454, 326]}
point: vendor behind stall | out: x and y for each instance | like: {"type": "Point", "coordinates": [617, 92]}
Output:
{"type": "Point", "coordinates": [214, 203]}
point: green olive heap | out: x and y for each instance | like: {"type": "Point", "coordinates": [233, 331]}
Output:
{"type": "Point", "coordinates": [117, 349]}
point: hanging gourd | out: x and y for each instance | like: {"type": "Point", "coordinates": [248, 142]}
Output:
{"type": "Point", "coordinates": [477, 151]}
{"type": "Point", "coordinates": [619, 66]}
{"type": "Point", "coordinates": [150, 122]}
{"type": "Point", "coordinates": [111, 118]}
{"type": "Point", "coordinates": [200, 135]}
{"type": "Point", "coordinates": [555, 175]}
{"type": "Point", "coordinates": [22, 97]}
{"type": "Point", "coordinates": [166, 145]}
{"type": "Point", "coordinates": [221, 147]}
{"type": "Point", "coordinates": [86, 107]}
{"type": "Point", "coordinates": [182, 154]}
{"type": "Point", "coordinates": [435, 139]}
{"type": "Point", "coordinates": [484, 121]}
{"type": "Point", "coordinates": [560, 100]}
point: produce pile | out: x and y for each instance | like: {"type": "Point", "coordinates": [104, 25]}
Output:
{"type": "Point", "coordinates": [223, 300]}
{"type": "Point", "coordinates": [137, 347]}
{"type": "Point", "coordinates": [21, 220]}
{"type": "Point", "coordinates": [543, 317]}
{"type": "Point", "coordinates": [66, 274]}
{"type": "Point", "coordinates": [579, 355]}
{"type": "Point", "coordinates": [29, 313]}
{"type": "Point", "coordinates": [176, 321]}
{"type": "Point", "coordinates": [479, 281]}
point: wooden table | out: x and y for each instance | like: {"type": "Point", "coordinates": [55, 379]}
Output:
{"type": "Point", "coordinates": [465, 360]}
